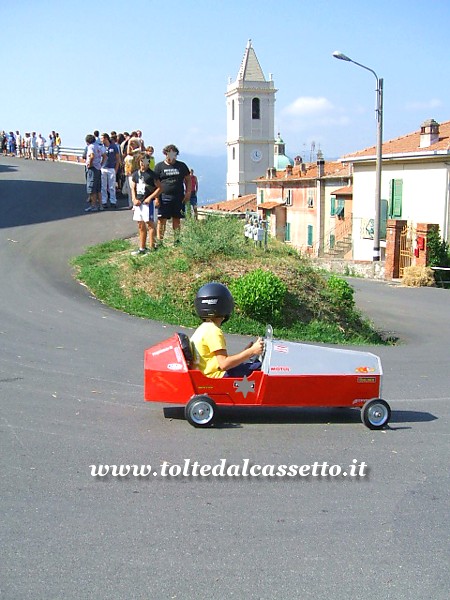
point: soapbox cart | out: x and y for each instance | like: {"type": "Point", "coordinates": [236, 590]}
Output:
{"type": "Point", "coordinates": [292, 374]}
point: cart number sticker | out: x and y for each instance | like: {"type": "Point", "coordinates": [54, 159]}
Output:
{"type": "Point", "coordinates": [366, 379]}
{"type": "Point", "coordinates": [280, 348]}
{"type": "Point", "coordinates": [174, 366]}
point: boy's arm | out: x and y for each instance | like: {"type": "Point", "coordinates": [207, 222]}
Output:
{"type": "Point", "coordinates": [135, 201]}
{"type": "Point", "coordinates": [155, 195]}
{"type": "Point", "coordinates": [228, 362]}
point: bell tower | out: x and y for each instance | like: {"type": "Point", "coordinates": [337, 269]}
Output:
{"type": "Point", "coordinates": [250, 126]}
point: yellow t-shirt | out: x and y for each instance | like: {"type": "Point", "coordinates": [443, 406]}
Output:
{"type": "Point", "coordinates": [207, 339]}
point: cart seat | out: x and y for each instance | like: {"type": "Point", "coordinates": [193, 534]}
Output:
{"type": "Point", "coordinates": [185, 344]}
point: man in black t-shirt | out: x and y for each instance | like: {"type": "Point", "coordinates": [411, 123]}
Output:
{"type": "Point", "coordinates": [175, 180]}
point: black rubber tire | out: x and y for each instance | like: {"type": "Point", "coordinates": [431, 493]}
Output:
{"type": "Point", "coordinates": [200, 411]}
{"type": "Point", "coordinates": [375, 414]}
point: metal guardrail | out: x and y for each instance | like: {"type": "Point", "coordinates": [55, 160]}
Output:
{"type": "Point", "coordinates": [442, 276]}
{"type": "Point", "coordinates": [71, 154]}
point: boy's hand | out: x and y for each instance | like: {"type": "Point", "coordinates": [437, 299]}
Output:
{"type": "Point", "coordinates": [258, 347]}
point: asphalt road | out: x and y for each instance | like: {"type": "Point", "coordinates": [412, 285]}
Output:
{"type": "Point", "coordinates": [71, 396]}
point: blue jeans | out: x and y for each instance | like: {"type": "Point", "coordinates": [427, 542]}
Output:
{"type": "Point", "coordinates": [243, 369]}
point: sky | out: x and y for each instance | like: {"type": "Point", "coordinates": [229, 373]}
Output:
{"type": "Point", "coordinates": [163, 67]}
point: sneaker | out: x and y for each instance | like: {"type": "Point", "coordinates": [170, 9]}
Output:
{"type": "Point", "coordinates": [113, 206]}
{"type": "Point", "coordinates": [89, 209]}
{"type": "Point", "coordinates": [101, 207]}
{"type": "Point", "coordinates": [139, 252]}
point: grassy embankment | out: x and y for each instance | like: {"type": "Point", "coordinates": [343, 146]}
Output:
{"type": "Point", "coordinates": [275, 286]}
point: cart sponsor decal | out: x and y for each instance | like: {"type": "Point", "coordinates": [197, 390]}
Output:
{"type": "Point", "coordinates": [281, 369]}
{"type": "Point", "coordinates": [364, 370]}
{"type": "Point", "coordinates": [178, 354]}
{"type": "Point", "coordinates": [245, 386]}
{"type": "Point", "coordinates": [366, 380]}
{"type": "Point", "coordinates": [158, 352]}
{"type": "Point", "coordinates": [174, 366]}
{"type": "Point", "coordinates": [280, 348]}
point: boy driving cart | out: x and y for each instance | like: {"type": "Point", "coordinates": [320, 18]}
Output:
{"type": "Point", "coordinates": [214, 304]}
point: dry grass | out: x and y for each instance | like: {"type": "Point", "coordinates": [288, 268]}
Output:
{"type": "Point", "coordinates": [418, 277]}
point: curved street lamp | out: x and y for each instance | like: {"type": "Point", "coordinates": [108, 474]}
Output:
{"type": "Point", "coordinates": [379, 116]}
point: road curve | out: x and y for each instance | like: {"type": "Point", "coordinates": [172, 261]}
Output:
{"type": "Point", "coordinates": [71, 396]}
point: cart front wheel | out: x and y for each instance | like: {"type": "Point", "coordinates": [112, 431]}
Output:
{"type": "Point", "coordinates": [375, 414]}
{"type": "Point", "coordinates": [200, 411]}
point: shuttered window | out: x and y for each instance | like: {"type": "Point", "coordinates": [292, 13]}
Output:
{"type": "Point", "coordinates": [383, 218]}
{"type": "Point", "coordinates": [310, 235]}
{"type": "Point", "coordinates": [337, 207]}
{"type": "Point", "coordinates": [287, 232]}
{"type": "Point", "coordinates": [395, 198]}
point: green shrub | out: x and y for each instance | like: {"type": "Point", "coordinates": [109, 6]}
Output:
{"type": "Point", "coordinates": [341, 293]}
{"type": "Point", "coordinates": [438, 250]}
{"type": "Point", "coordinates": [260, 295]}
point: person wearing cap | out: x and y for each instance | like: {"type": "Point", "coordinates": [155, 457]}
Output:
{"type": "Point", "coordinates": [214, 304]}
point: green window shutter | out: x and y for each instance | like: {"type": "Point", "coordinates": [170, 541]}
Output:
{"type": "Point", "coordinates": [340, 208]}
{"type": "Point", "coordinates": [383, 218]}
{"type": "Point", "coordinates": [396, 192]}
{"type": "Point", "coordinates": [261, 196]}
{"type": "Point", "coordinates": [287, 233]}
{"type": "Point", "coordinates": [310, 235]}
{"type": "Point", "coordinates": [333, 206]}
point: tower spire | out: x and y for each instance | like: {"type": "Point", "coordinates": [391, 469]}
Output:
{"type": "Point", "coordinates": [250, 69]}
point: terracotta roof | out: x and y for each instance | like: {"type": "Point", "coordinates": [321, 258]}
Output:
{"type": "Point", "coordinates": [409, 143]}
{"type": "Point", "coordinates": [310, 171]}
{"type": "Point", "coordinates": [237, 205]}
{"type": "Point", "coordinates": [271, 204]}
{"type": "Point", "coordinates": [344, 191]}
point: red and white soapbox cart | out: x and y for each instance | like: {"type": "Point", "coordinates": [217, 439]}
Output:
{"type": "Point", "coordinates": [292, 374]}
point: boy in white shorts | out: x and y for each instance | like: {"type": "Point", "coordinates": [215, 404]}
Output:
{"type": "Point", "coordinates": [145, 192]}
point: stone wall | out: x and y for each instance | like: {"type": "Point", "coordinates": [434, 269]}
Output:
{"type": "Point", "coordinates": [349, 268]}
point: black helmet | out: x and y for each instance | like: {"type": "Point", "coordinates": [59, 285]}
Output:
{"type": "Point", "coordinates": [214, 300]}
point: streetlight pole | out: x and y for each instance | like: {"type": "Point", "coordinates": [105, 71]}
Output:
{"type": "Point", "coordinates": [379, 116]}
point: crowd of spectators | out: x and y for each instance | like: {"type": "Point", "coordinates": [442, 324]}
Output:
{"type": "Point", "coordinates": [121, 163]}
{"type": "Point", "coordinates": [31, 145]}
{"type": "Point", "coordinates": [118, 158]}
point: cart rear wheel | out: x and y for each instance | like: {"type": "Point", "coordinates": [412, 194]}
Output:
{"type": "Point", "coordinates": [200, 411]}
{"type": "Point", "coordinates": [375, 414]}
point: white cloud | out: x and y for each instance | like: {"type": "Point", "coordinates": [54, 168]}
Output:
{"type": "Point", "coordinates": [307, 113]}
{"type": "Point", "coordinates": [307, 105]}
{"type": "Point", "coordinates": [433, 103]}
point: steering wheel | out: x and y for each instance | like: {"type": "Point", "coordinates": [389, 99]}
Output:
{"type": "Point", "coordinates": [268, 337]}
